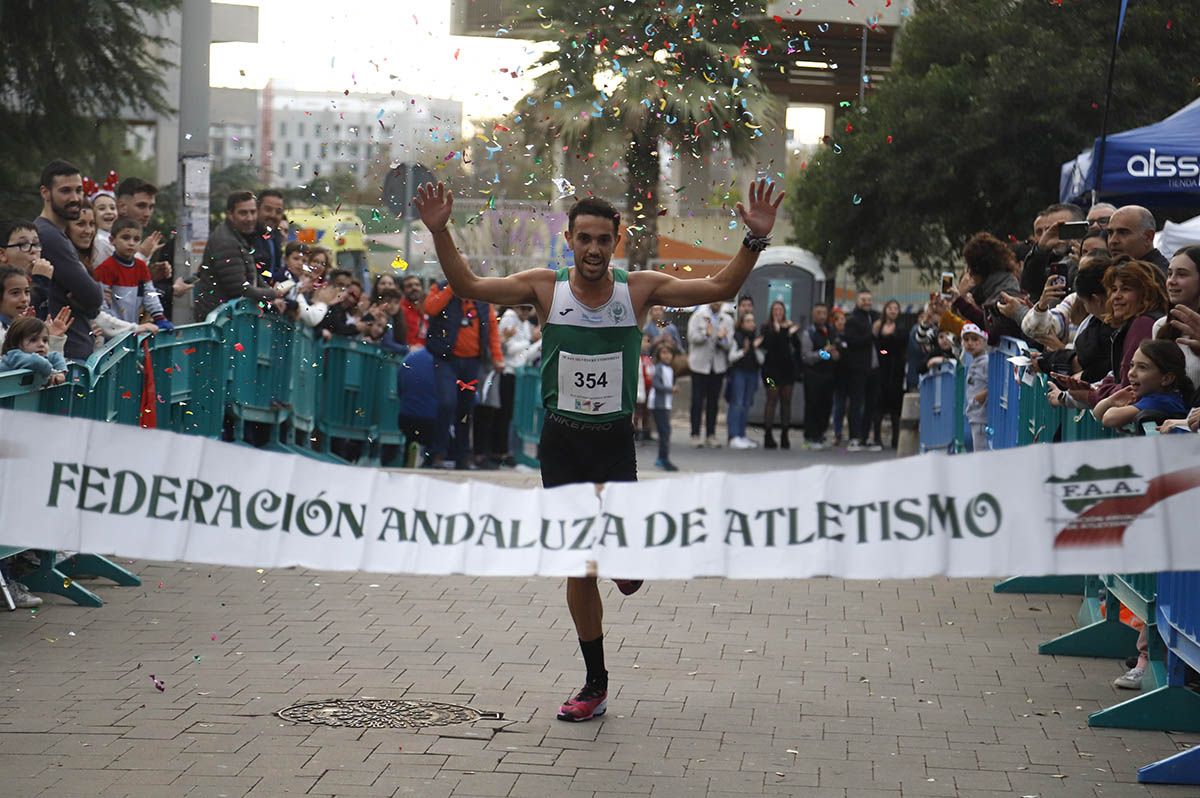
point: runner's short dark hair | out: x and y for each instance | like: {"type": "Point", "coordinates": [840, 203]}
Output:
{"type": "Point", "coordinates": [594, 206]}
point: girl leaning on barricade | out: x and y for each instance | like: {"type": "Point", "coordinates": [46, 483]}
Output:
{"type": "Point", "coordinates": [1157, 389]}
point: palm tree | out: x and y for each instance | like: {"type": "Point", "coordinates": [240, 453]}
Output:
{"type": "Point", "coordinates": [645, 72]}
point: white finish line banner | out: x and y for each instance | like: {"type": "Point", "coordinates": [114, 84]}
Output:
{"type": "Point", "coordinates": [1125, 505]}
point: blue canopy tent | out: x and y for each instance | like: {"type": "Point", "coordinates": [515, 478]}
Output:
{"type": "Point", "coordinates": [1157, 166]}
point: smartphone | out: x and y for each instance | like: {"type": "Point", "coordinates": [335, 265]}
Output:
{"type": "Point", "coordinates": [947, 284]}
{"type": "Point", "coordinates": [1056, 378]}
{"type": "Point", "coordinates": [1072, 231]}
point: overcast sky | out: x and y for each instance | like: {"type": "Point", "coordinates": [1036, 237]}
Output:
{"type": "Point", "coordinates": [376, 46]}
{"type": "Point", "coordinates": [359, 45]}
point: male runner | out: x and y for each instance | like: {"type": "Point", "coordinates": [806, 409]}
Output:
{"type": "Point", "coordinates": [591, 344]}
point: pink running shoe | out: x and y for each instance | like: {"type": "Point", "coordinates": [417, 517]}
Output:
{"type": "Point", "coordinates": [588, 703]}
{"type": "Point", "coordinates": [628, 586]}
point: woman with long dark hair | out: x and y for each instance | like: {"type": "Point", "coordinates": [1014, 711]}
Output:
{"type": "Point", "coordinates": [990, 273]}
{"type": "Point", "coordinates": [1183, 290]}
{"type": "Point", "coordinates": [890, 341]}
{"type": "Point", "coordinates": [82, 233]}
{"type": "Point", "coordinates": [778, 373]}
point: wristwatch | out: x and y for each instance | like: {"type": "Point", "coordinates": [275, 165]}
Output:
{"type": "Point", "coordinates": [756, 243]}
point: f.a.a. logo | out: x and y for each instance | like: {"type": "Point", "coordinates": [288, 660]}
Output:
{"type": "Point", "coordinates": [1093, 496]}
{"type": "Point", "coordinates": [1106, 501]}
{"type": "Point", "coordinates": [1088, 486]}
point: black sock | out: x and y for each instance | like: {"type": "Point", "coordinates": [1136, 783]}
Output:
{"type": "Point", "coordinates": [593, 658]}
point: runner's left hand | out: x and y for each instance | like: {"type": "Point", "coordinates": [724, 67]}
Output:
{"type": "Point", "coordinates": [760, 217]}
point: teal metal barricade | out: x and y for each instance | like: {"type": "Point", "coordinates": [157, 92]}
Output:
{"type": "Point", "coordinates": [256, 346]}
{"type": "Point", "coordinates": [528, 414]}
{"type": "Point", "coordinates": [188, 378]}
{"type": "Point", "coordinates": [349, 392]}
{"type": "Point", "coordinates": [114, 390]}
{"type": "Point", "coordinates": [388, 446]}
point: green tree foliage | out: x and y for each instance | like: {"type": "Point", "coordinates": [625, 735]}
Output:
{"type": "Point", "coordinates": [67, 67]}
{"type": "Point", "coordinates": [636, 74]}
{"type": "Point", "coordinates": [986, 101]}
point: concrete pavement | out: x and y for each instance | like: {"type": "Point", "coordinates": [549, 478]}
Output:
{"type": "Point", "coordinates": [820, 688]}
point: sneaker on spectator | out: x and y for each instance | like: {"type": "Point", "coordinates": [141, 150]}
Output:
{"type": "Point", "coordinates": [875, 447]}
{"type": "Point", "coordinates": [854, 446]}
{"type": "Point", "coordinates": [740, 443]}
{"type": "Point", "coordinates": [697, 441]}
{"type": "Point", "coordinates": [753, 443]}
{"type": "Point", "coordinates": [21, 596]}
{"type": "Point", "coordinates": [711, 442]}
{"type": "Point", "coordinates": [1132, 680]}
{"type": "Point", "coordinates": [590, 702]}
{"type": "Point", "coordinates": [816, 446]}
{"type": "Point", "coordinates": [666, 465]}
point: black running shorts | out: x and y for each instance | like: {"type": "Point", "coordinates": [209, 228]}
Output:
{"type": "Point", "coordinates": [576, 451]}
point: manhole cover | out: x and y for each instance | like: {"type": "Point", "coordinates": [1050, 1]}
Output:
{"type": "Point", "coordinates": [382, 713]}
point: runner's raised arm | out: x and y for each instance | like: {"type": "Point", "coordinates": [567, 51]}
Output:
{"type": "Point", "coordinates": [657, 288]}
{"type": "Point", "coordinates": [435, 204]}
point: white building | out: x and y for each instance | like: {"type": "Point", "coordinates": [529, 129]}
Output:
{"type": "Point", "coordinates": [308, 134]}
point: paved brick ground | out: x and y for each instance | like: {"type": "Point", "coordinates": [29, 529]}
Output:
{"type": "Point", "coordinates": [817, 688]}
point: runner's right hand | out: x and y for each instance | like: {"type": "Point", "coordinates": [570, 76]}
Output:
{"type": "Point", "coordinates": [434, 204]}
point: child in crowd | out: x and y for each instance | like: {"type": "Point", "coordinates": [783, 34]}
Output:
{"type": "Point", "coordinates": [974, 341]}
{"type": "Point", "coordinates": [21, 249]}
{"type": "Point", "coordinates": [1158, 382]}
{"type": "Point", "coordinates": [662, 387]}
{"type": "Point", "coordinates": [104, 202]}
{"type": "Point", "coordinates": [27, 346]}
{"type": "Point", "coordinates": [14, 297]}
{"type": "Point", "coordinates": [943, 351]}
{"type": "Point", "coordinates": [128, 277]}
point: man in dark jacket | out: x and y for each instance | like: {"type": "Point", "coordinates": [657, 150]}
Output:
{"type": "Point", "coordinates": [71, 284]}
{"type": "Point", "coordinates": [268, 241]}
{"type": "Point", "coordinates": [860, 361]}
{"type": "Point", "coordinates": [817, 351]}
{"type": "Point", "coordinates": [227, 270]}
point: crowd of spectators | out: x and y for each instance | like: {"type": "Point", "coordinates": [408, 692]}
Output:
{"type": "Point", "coordinates": [1114, 324]}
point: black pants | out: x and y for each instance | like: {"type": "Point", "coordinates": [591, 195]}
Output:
{"type": "Point", "coordinates": [420, 432]}
{"type": "Point", "coordinates": [818, 404]}
{"type": "Point", "coordinates": [662, 421]}
{"type": "Point", "coordinates": [856, 388]}
{"type": "Point", "coordinates": [706, 391]}
{"type": "Point", "coordinates": [871, 414]}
